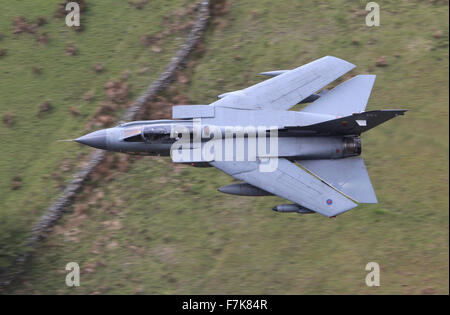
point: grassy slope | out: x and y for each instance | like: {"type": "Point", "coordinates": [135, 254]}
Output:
{"type": "Point", "coordinates": [29, 148]}
{"type": "Point", "coordinates": [161, 228]}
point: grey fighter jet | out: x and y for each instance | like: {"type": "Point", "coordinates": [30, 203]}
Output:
{"type": "Point", "coordinates": [316, 151]}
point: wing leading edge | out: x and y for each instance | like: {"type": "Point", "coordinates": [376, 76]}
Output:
{"type": "Point", "coordinates": [292, 183]}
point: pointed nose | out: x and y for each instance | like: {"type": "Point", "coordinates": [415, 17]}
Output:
{"type": "Point", "coordinates": [96, 139]}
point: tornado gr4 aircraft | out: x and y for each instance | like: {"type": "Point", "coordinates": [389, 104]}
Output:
{"type": "Point", "coordinates": [310, 157]}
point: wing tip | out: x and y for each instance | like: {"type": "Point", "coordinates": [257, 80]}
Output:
{"type": "Point", "coordinates": [351, 206]}
{"type": "Point", "coordinates": [341, 61]}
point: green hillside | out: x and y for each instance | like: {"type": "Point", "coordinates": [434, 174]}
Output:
{"type": "Point", "coordinates": [34, 166]}
{"type": "Point", "coordinates": [145, 225]}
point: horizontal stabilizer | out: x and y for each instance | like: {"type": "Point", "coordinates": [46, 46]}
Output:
{"type": "Point", "coordinates": [345, 99]}
{"type": "Point", "coordinates": [350, 125]}
{"type": "Point", "coordinates": [348, 176]}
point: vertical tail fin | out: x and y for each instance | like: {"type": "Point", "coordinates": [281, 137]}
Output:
{"type": "Point", "coordinates": [348, 176]}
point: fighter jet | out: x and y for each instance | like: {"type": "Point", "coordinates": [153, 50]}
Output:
{"type": "Point", "coordinates": [311, 156]}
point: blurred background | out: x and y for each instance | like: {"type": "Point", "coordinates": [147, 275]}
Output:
{"type": "Point", "coordinates": [142, 225]}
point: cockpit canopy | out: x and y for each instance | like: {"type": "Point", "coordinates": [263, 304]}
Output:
{"type": "Point", "coordinates": [156, 134]}
{"type": "Point", "coordinates": [153, 133]}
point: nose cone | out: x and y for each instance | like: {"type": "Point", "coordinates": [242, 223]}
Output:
{"type": "Point", "coordinates": [96, 139]}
